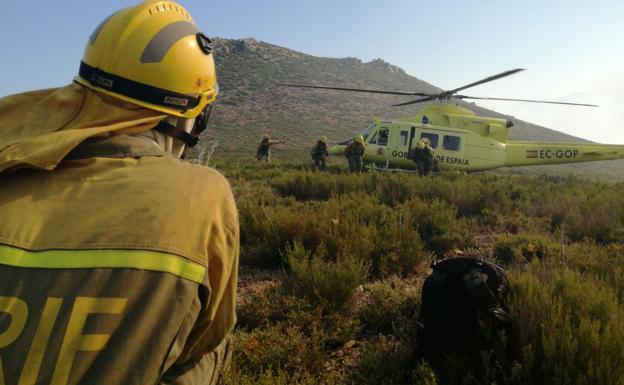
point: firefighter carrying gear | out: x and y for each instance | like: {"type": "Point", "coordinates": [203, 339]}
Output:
{"type": "Point", "coordinates": [355, 154]}
{"type": "Point", "coordinates": [424, 157]}
{"type": "Point", "coordinates": [319, 153]}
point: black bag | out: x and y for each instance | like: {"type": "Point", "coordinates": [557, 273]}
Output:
{"type": "Point", "coordinates": [464, 314]}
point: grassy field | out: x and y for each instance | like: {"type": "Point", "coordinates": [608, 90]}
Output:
{"type": "Point", "coordinates": [332, 265]}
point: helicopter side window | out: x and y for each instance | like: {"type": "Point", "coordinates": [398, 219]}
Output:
{"type": "Point", "coordinates": [382, 140]}
{"type": "Point", "coordinates": [374, 138]}
{"type": "Point", "coordinates": [433, 138]}
{"type": "Point", "coordinates": [451, 142]}
{"type": "Point", "coordinates": [404, 138]}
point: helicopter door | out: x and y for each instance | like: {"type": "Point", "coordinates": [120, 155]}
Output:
{"type": "Point", "coordinates": [411, 139]}
{"type": "Point", "coordinates": [403, 135]}
{"type": "Point", "coordinates": [410, 147]}
{"type": "Point", "coordinates": [402, 144]}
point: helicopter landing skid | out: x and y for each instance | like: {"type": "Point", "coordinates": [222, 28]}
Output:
{"type": "Point", "coordinates": [390, 169]}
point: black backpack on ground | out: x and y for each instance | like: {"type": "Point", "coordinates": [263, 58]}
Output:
{"type": "Point", "coordinates": [464, 319]}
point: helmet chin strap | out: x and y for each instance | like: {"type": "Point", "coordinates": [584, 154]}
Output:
{"type": "Point", "coordinates": [185, 130]}
{"type": "Point", "coordinates": [179, 129]}
{"type": "Point", "coordinates": [169, 134]}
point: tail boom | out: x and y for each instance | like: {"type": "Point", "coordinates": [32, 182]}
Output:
{"type": "Point", "coordinates": [536, 153]}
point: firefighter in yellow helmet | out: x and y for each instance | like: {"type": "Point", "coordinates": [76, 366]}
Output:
{"type": "Point", "coordinates": [424, 157]}
{"type": "Point", "coordinates": [355, 154]}
{"type": "Point", "coordinates": [118, 261]}
{"type": "Point", "coordinates": [319, 153]}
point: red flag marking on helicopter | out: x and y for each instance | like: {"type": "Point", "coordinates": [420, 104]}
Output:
{"type": "Point", "coordinates": [531, 154]}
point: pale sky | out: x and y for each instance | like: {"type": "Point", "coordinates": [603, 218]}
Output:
{"type": "Point", "coordinates": [573, 50]}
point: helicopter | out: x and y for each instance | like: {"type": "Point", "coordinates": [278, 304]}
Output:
{"type": "Point", "coordinates": [462, 140]}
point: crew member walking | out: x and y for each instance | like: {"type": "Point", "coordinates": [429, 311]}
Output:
{"type": "Point", "coordinates": [424, 157]}
{"type": "Point", "coordinates": [319, 153]}
{"type": "Point", "coordinates": [355, 153]}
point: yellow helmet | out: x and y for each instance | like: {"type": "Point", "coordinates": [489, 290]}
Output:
{"type": "Point", "coordinates": [359, 139]}
{"type": "Point", "coordinates": [152, 55]}
{"type": "Point", "coordinates": [323, 139]}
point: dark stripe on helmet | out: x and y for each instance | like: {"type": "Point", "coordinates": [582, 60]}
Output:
{"type": "Point", "coordinates": [165, 38]}
{"type": "Point", "coordinates": [99, 28]}
{"type": "Point", "coordinates": [136, 90]}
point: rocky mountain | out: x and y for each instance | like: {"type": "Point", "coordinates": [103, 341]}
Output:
{"type": "Point", "coordinates": [251, 103]}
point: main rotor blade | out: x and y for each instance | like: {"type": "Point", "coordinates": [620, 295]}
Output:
{"type": "Point", "coordinates": [428, 98]}
{"type": "Point", "coordinates": [524, 100]}
{"type": "Point", "coordinates": [488, 79]}
{"type": "Point", "coordinates": [355, 89]}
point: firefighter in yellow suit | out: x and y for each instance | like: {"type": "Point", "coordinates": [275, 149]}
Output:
{"type": "Point", "coordinates": [118, 262]}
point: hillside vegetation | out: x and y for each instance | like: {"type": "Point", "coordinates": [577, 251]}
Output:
{"type": "Point", "coordinates": [250, 104]}
{"type": "Point", "coordinates": [332, 266]}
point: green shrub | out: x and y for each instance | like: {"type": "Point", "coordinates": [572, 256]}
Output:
{"type": "Point", "coordinates": [573, 327]}
{"type": "Point", "coordinates": [329, 283]}
{"type": "Point", "coordinates": [242, 376]}
{"type": "Point", "coordinates": [279, 346]}
{"type": "Point", "coordinates": [513, 222]}
{"type": "Point", "coordinates": [424, 375]}
{"type": "Point", "coordinates": [391, 309]}
{"type": "Point", "coordinates": [438, 225]}
{"type": "Point", "coordinates": [385, 361]}
{"type": "Point", "coordinates": [269, 305]}
{"type": "Point", "coordinates": [351, 224]}
{"type": "Point", "coordinates": [320, 186]}
{"type": "Point", "coordinates": [522, 248]}
{"type": "Point", "coordinates": [398, 248]}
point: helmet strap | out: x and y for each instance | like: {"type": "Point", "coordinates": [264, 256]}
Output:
{"type": "Point", "coordinates": [169, 129]}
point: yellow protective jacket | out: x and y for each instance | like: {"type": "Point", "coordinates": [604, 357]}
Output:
{"type": "Point", "coordinates": [118, 262]}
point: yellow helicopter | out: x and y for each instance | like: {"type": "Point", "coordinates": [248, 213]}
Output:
{"type": "Point", "coordinates": [462, 140]}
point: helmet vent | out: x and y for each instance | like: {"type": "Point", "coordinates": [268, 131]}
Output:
{"type": "Point", "coordinates": [172, 8]}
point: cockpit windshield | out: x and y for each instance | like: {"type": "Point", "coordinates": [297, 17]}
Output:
{"type": "Point", "coordinates": [364, 134]}
{"type": "Point", "coordinates": [368, 130]}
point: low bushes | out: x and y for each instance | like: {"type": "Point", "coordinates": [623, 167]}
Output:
{"type": "Point", "coordinates": [349, 253]}
{"type": "Point", "coordinates": [573, 328]}
{"type": "Point", "coordinates": [392, 240]}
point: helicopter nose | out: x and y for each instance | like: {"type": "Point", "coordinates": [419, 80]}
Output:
{"type": "Point", "coordinates": [338, 149]}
